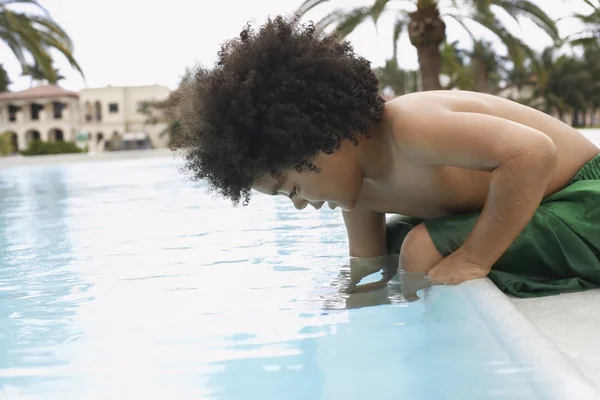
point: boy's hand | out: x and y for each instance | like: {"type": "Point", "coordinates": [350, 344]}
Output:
{"type": "Point", "coordinates": [457, 268]}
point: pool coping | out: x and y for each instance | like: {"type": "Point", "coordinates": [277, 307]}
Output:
{"type": "Point", "coordinates": [57, 159]}
{"type": "Point", "coordinates": [555, 376]}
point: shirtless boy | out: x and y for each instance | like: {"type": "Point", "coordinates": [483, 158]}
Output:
{"type": "Point", "coordinates": [499, 187]}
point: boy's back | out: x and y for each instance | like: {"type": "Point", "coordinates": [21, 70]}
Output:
{"type": "Point", "coordinates": [430, 191]}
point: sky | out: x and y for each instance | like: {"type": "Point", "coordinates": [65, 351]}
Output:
{"type": "Point", "coordinates": [141, 42]}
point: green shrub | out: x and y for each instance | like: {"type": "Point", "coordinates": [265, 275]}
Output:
{"type": "Point", "coordinates": [6, 145]}
{"type": "Point", "coordinates": [37, 148]}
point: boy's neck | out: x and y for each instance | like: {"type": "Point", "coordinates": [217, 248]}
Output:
{"type": "Point", "coordinates": [374, 153]}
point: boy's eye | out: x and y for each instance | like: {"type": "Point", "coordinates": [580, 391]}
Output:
{"type": "Point", "coordinates": [293, 193]}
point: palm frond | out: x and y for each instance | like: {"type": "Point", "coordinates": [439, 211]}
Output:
{"type": "Point", "coordinates": [351, 20]}
{"type": "Point", "coordinates": [377, 9]}
{"type": "Point", "coordinates": [462, 23]}
{"type": "Point", "coordinates": [4, 3]}
{"type": "Point", "coordinates": [513, 45]}
{"type": "Point", "coordinates": [15, 46]}
{"type": "Point", "coordinates": [35, 35]}
{"type": "Point", "coordinates": [329, 19]}
{"type": "Point", "coordinates": [480, 6]}
{"type": "Point", "coordinates": [530, 10]}
{"type": "Point", "coordinates": [589, 3]}
{"type": "Point", "coordinates": [398, 28]}
{"type": "Point", "coordinates": [307, 6]}
{"type": "Point", "coordinates": [586, 42]}
{"type": "Point", "coordinates": [53, 42]}
{"type": "Point", "coordinates": [52, 28]}
{"type": "Point", "coordinates": [31, 40]}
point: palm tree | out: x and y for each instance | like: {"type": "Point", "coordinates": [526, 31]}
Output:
{"type": "Point", "coordinates": [455, 67]}
{"type": "Point", "coordinates": [569, 84]}
{"type": "Point", "coordinates": [480, 69]}
{"type": "Point", "coordinates": [590, 35]}
{"type": "Point", "coordinates": [4, 80]}
{"type": "Point", "coordinates": [36, 74]}
{"type": "Point", "coordinates": [426, 26]}
{"type": "Point", "coordinates": [550, 90]}
{"type": "Point", "coordinates": [393, 78]}
{"type": "Point", "coordinates": [34, 35]}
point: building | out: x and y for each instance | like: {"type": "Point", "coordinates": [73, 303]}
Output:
{"type": "Point", "coordinates": [91, 117]}
{"type": "Point", "coordinates": [113, 113]}
{"type": "Point", "coordinates": [45, 113]}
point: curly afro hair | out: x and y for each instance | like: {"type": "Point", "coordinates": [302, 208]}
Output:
{"type": "Point", "coordinates": [275, 99]}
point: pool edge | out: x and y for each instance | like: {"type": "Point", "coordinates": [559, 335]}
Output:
{"type": "Point", "coordinates": [528, 345]}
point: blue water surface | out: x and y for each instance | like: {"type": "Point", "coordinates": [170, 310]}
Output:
{"type": "Point", "coordinates": [122, 280]}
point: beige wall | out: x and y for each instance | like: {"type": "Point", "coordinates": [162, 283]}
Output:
{"type": "Point", "coordinates": [126, 118]}
{"type": "Point", "coordinates": [46, 123]}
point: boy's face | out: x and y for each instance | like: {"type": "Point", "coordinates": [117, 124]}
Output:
{"type": "Point", "coordinates": [337, 183]}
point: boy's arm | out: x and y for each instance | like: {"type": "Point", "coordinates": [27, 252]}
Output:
{"type": "Point", "coordinates": [367, 242]}
{"type": "Point", "coordinates": [521, 161]}
{"type": "Point", "coordinates": [366, 233]}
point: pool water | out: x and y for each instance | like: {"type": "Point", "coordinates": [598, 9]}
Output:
{"type": "Point", "coordinates": [122, 280]}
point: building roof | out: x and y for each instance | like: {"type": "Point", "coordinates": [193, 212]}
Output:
{"type": "Point", "coordinates": [38, 92]}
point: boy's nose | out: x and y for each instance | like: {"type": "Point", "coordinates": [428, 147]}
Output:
{"type": "Point", "coordinates": [317, 204]}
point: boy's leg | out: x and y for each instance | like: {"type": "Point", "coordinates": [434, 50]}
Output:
{"type": "Point", "coordinates": [418, 252]}
{"type": "Point", "coordinates": [398, 227]}
{"type": "Point", "coordinates": [408, 237]}
{"type": "Point", "coordinates": [556, 252]}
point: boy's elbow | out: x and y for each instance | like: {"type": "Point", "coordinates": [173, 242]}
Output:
{"type": "Point", "coordinates": [539, 153]}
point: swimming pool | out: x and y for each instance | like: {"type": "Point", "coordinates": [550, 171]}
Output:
{"type": "Point", "coordinates": [121, 280]}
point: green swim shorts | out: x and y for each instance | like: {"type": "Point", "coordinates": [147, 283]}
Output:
{"type": "Point", "coordinates": [558, 251]}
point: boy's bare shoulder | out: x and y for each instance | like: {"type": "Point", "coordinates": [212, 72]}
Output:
{"type": "Point", "coordinates": [421, 106]}
{"type": "Point", "coordinates": [416, 114]}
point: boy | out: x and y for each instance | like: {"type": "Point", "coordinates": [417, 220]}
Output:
{"type": "Point", "coordinates": [501, 189]}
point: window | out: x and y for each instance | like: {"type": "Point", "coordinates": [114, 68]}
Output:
{"type": "Point", "coordinates": [12, 113]}
{"type": "Point", "coordinates": [98, 108]}
{"type": "Point", "coordinates": [113, 107]}
{"type": "Point", "coordinates": [88, 111]}
{"type": "Point", "coordinates": [58, 109]}
{"type": "Point", "coordinates": [35, 111]}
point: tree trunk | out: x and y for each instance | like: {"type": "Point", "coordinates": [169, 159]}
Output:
{"type": "Point", "coordinates": [427, 31]}
{"type": "Point", "coordinates": [481, 83]}
{"type": "Point", "coordinates": [575, 123]}
{"type": "Point", "coordinates": [430, 65]}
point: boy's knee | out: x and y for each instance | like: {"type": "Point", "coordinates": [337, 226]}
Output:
{"type": "Point", "coordinates": [418, 253]}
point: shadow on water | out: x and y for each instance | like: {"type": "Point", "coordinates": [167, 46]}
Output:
{"type": "Point", "coordinates": [35, 313]}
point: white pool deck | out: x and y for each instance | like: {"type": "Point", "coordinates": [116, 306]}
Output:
{"type": "Point", "coordinates": [570, 321]}
{"type": "Point", "coordinates": [562, 332]}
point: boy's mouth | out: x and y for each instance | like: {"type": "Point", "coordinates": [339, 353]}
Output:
{"type": "Point", "coordinates": [332, 205]}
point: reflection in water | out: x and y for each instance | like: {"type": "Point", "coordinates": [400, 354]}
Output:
{"type": "Point", "coordinates": [38, 293]}
{"type": "Point", "coordinates": [372, 282]}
